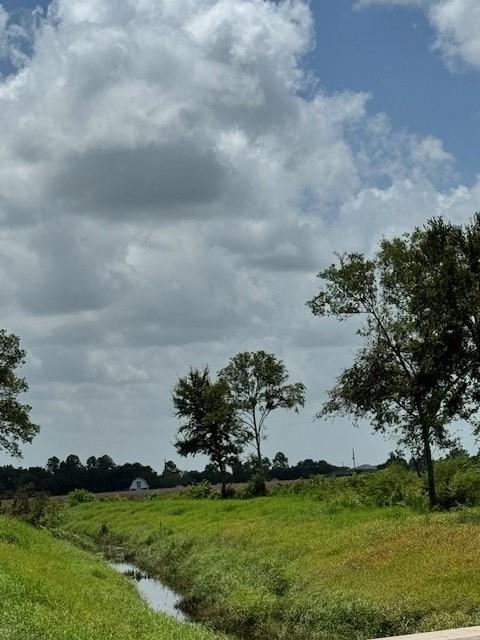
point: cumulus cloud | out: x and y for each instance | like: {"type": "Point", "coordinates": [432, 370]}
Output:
{"type": "Point", "coordinates": [457, 23]}
{"type": "Point", "coordinates": [170, 182]}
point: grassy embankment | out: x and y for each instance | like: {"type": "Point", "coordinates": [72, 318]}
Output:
{"type": "Point", "coordinates": [293, 567]}
{"type": "Point", "coordinates": [50, 590]}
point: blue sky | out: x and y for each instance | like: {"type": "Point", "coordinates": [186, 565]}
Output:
{"type": "Point", "coordinates": [388, 52]}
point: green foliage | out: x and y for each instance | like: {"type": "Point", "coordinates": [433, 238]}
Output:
{"type": "Point", "coordinates": [258, 384]}
{"type": "Point", "coordinates": [51, 590]}
{"type": "Point", "coordinates": [417, 369]}
{"type": "Point", "coordinates": [199, 491]}
{"type": "Point", "coordinates": [34, 507]}
{"type": "Point", "coordinates": [79, 496]}
{"type": "Point", "coordinates": [391, 486]}
{"type": "Point", "coordinates": [458, 481]}
{"type": "Point", "coordinates": [321, 565]}
{"type": "Point", "coordinates": [15, 424]}
{"type": "Point", "coordinates": [465, 487]}
{"type": "Point", "coordinates": [211, 425]}
{"type": "Point", "coordinates": [256, 486]}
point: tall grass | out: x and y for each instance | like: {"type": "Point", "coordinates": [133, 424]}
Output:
{"type": "Point", "coordinates": [49, 590]}
{"type": "Point", "coordinates": [300, 566]}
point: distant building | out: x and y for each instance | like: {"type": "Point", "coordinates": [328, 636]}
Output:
{"type": "Point", "coordinates": [139, 484]}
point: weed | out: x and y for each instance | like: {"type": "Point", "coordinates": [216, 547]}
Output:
{"type": "Point", "coordinates": [79, 496]}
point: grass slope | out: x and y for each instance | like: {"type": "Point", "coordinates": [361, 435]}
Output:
{"type": "Point", "coordinates": [50, 590]}
{"type": "Point", "coordinates": [293, 567]}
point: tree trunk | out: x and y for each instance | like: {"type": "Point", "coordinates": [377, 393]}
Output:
{"type": "Point", "coordinates": [224, 484]}
{"type": "Point", "coordinates": [427, 453]}
{"type": "Point", "coordinates": [257, 444]}
{"type": "Point", "coordinates": [259, 455]}
{"type": "Point", "coordinates": [261, 490]}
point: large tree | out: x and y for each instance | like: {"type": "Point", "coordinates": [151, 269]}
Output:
{"type": "Point", "coordinates": [417, 367]}
{"type": "Point", "coordinates": [15, 424]}
{"type": "Point", "coordinates": [258, 384]}
{"type": "Point", "coordinates": [210, 422]}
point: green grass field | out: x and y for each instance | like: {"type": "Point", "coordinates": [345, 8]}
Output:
{"type": "Point", "coordinates": [49, 590]}
{"type": "Point", "coordinates": [293, 567]}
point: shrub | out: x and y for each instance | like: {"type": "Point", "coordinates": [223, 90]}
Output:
{"type": "Point", "coordinates": [198, 491]}
{"type": "Point", "coordinates": [391, 486]}
{"type": "Point", "coordinates": [465, 487]}
{"type": "Point", "coordinates": [256, 486]}
{"type": "Point", "coordinates": [416, 498]}
{"type": "Point", "coordinates": [33, 506]}
{"type": "Point", "coordinates": [79, 496]}
{"type": "Point", "coordinates": [466, 516]}
{"type": "Point", "coordinates": [458, 482]}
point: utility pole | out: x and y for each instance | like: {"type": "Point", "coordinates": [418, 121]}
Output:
{"type": "Point", "coordinates": [353, 458]}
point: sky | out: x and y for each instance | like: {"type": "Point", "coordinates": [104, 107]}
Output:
{"type": "Point", "coordinates": [174, 174]}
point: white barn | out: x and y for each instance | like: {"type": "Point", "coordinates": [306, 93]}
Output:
{"type": "Point", "coordinates": [139, 484]}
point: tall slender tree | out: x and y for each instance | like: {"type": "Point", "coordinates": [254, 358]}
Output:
{"type": "Point", "coordinates": [258, 385]}
{"type": "Point", "coordinates": [210, 422]}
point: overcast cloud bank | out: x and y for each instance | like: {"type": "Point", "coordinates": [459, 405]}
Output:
{"type": "Point", "coordinates": [171, 180]}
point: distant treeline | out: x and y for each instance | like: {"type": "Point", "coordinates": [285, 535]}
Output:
{"type": "Point", "coordinates": [100, 474]}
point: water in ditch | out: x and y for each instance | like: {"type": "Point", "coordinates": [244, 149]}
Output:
{"type": "Point", "coordinates": [153, 591]}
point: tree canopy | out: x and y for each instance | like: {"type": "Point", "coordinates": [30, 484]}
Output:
{"type": "Point", "coordinates": [418, 367]}
{"type": "Point", "coordinates": [258, 385]}
{"type": "Point", "coordinates": [15, 424]}
{"type": "Point", "coordinates": [211, 425]}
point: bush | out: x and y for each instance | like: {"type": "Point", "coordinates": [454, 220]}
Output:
{"type": "Point", "coordinates": [79, 496]}
{"type": "Point", "coordinates": [466, 487]}
{"type": "Point", "coordinates": [416, 498]}
{"type": "Point", "coordinates": [466, 516]}
{"type": "Point", "coordinates": [458, 482]}
{"type": "Point", "coordinates": [198, 491]}
{"type": "Point", "coordinates": [255, 486]}
{"type": "Point", "coordinates": [391, 486]}
{"type": "Point", "coordinates": [33, 506]}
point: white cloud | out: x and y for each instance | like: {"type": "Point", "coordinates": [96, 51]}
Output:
{"type": "Point", "coordinates": [167, 194]}
{"type": "Point", "coordinates": [457, 23]}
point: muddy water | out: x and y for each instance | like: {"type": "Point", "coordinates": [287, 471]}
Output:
{"type": "Point", "coordinates": [153, 591]}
